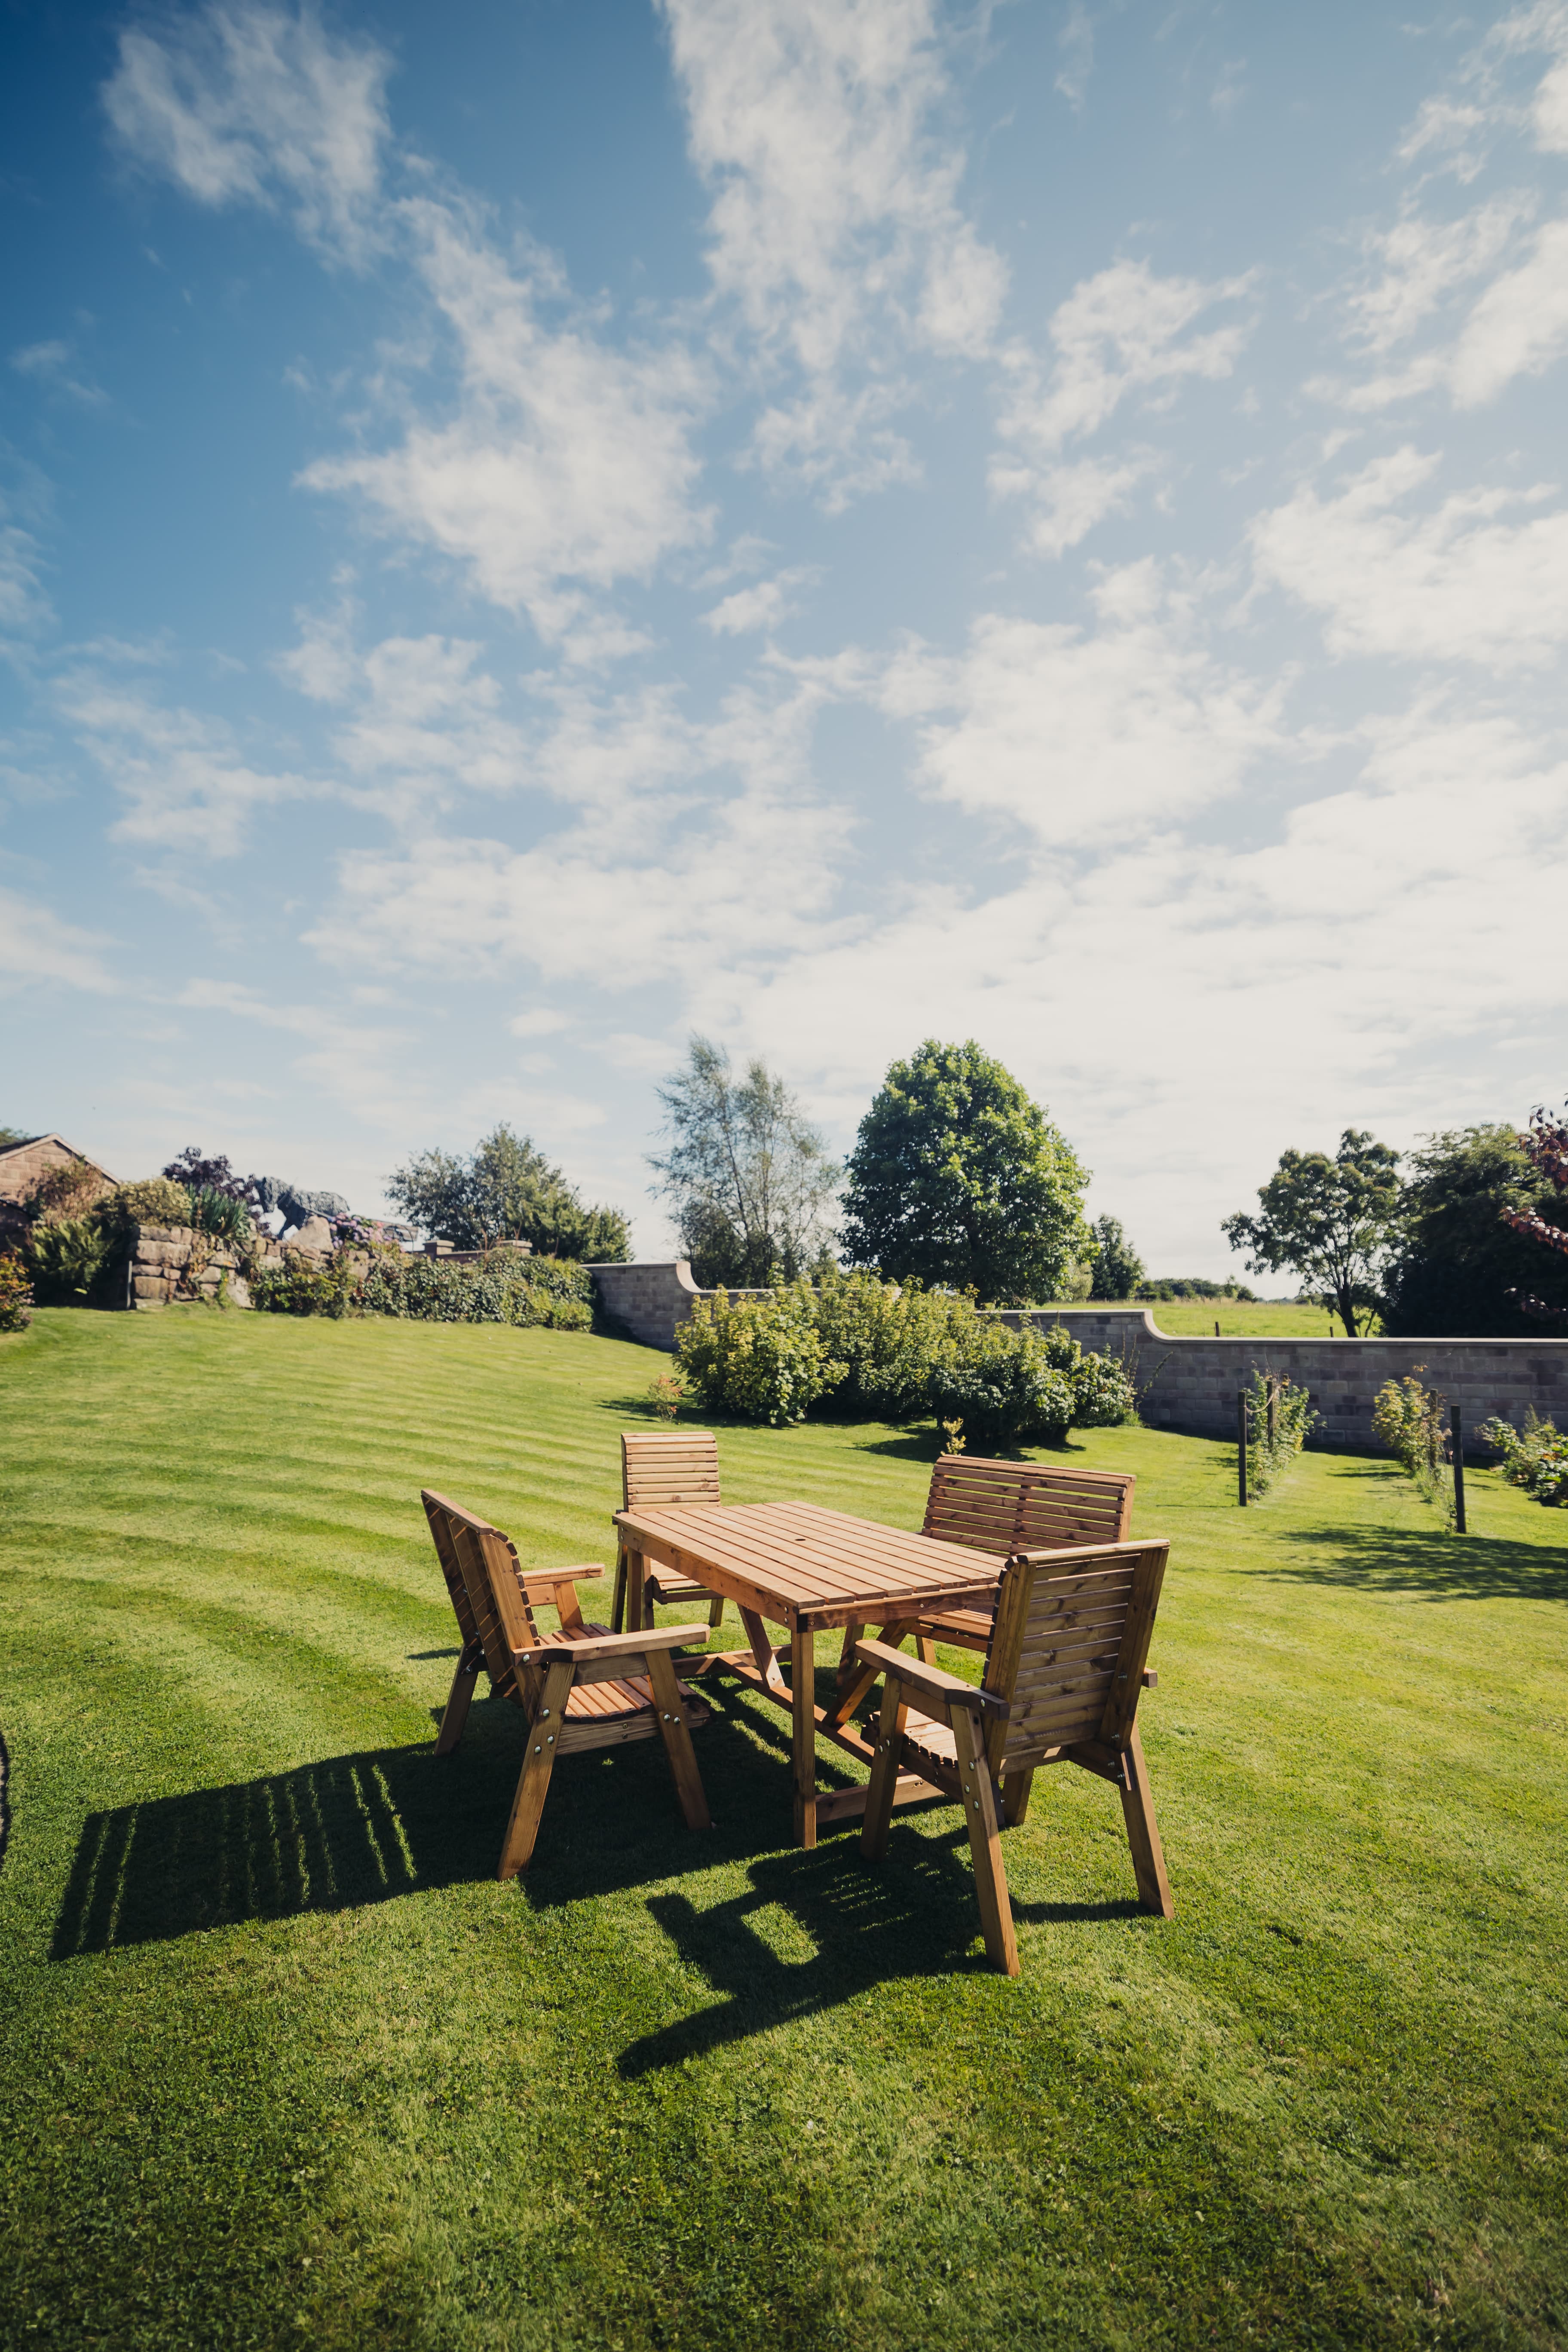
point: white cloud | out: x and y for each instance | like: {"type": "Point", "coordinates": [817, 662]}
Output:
{"type": "Point", "coordinates": [1453, 583]}
{"type": "Point", "coordinates": [762, 607]}
{"type": "Point", "coordinates": [835, 228]}
{"type": "Point", "coordinates": [183, 782]}
{"type": "Point", "coordinates": [1124, 331]}
{"type": "Point", "coordinates": [1069, 500]}
{"type": "Point", "coordinates": [1519, 326]}
{"type": "Point", "coordinates": [250, 103]}
{"type": "Point", "coordinates": [24, 606]}
{"type": "Point", "coordinates": [1086, 738]}
{"type": "Point", "coordinates": [50, 363]}
{"type": "Point", "coordinates": [36, 946]}
{"type": "Point", "coordinates": [566, 464]}
{"type": "Point", "coordinates": [1076, 42]}
{"type": "Point", "coordinates": [1419, 262]}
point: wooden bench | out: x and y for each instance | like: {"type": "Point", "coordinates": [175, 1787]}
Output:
{"type": "Point", "coordinates": [1018, 1507]}
{"type": "Point", "coordinates": [580, 1687]}
{"type": "Point", "coordinates": [1066, 1663]}
{"type": "Point", "coordinates": [660, 1468]}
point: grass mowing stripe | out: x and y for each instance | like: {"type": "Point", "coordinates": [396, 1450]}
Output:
{"type": "Point", "coordinates": [280, 2062]}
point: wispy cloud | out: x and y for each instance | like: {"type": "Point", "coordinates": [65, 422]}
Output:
{"type": "Point", "coordinates": [37, 946]}
{"type": "Point", "coordinates": [257, 104]}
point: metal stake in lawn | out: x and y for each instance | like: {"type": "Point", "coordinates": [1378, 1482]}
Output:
{"type": "Point", "coordinates": [1241, 1447]}
{"type": "Point", "coordinates": [1456, 1424]}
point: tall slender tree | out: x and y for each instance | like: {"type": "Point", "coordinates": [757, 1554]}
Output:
{"type": "Point", "coordinates": [1330, 1220]}
{"type": "Point", "coordinates": [748, 1178]}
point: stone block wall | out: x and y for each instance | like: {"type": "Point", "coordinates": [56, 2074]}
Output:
{"type": "Point", "coordinates": [1191, 1383]}
{"type": "Point", "coordinates": [165, 1263]}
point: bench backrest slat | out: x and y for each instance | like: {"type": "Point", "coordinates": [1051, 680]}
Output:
{"type": "Point", "coordinates": [1068, 1648]}
{"type": "Point", "coordinates": [663, 1466]}
{"type": "Point", "coordinates": [1012, 1507]}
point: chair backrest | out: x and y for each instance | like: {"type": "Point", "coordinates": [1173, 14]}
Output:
{"type": "Point", "coordinates": [493, 1599]}
{"type": "Point", "coordinates": [668, 1466]}
{"type": "Point", "coordinates": [1012, 1506]}
{"type": "Point", "coordinates": [1068, 1649]}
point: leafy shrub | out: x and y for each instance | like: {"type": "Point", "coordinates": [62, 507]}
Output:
{"type": "Point", "coordinates": [300, 1286]}
{"type": "Point", "coordinates": [16, 1294]}
{"type": "Point", "coordinates": [1280, 1418]}
{"type": "Point", "coordinates": [65, 1192]}
{"type": "Point", "coordinates": [1535, 1457]}
{"type": "Point", "coordinates": [1409, 1420]}
{"type": "Point", "coordinates": [66, 1257]}
{"type": "Point", "coordinates": [758, 1359]}
{"type": "Point", "coordinates": [524, 1291]}
{"type": "Point", "coordinates": [1004, 1387]}
{"type": "Point", "coordinates": [887, 1339]}
{"type": "Point", "coordinates": [157, 1201]}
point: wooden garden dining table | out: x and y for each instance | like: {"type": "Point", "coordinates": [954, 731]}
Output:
{"type": "Point", "coordinates": [810, 1570]}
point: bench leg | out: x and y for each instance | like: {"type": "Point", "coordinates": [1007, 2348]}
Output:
{"type": "Point", "coordinates": [802, 1706]}
{"type": "Point", "coordinates": [1015, 1788]}
{"type": "Point", "coordinates": [618, 1605]}
{"type": "Point", "coordinates": [458, 1697]}
{"type": "Point", "coordinates": [533, 1784]}
{"type": "Point", "coordinates": [877, 1821]}
{"type": "Point", "coordinates": [985, 1843]}
{"type": "Point", "coordinates": [1143, 1833]}
{"type": "Point", "coordinates": [676, 1733]}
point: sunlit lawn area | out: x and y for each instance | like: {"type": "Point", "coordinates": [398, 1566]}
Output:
{"type": "Point", "coordinates": [1238, 1318]}
{"type": "Point", "coordinates": [282, 2065]}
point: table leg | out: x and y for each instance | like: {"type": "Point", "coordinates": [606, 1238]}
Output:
{"type": "Point", "coordinates": [803, 1696]}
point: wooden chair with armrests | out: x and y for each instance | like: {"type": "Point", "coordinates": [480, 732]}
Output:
{"type": "Point", "coordinates": [580, 1687]}
{"type": "Point", "coordinates": [1066, 1663]}
{"type": "Point", "coordinates": [1005, 1507]}
{"type": "Point", "coordinates": [659, 1467]}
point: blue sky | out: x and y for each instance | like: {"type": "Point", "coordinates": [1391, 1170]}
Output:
{"type": "Point", "coordinates": [532, 528]}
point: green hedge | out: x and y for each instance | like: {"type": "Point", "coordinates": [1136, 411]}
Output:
{"type": "Point", "coordinates": [556, 1294]}
{"type": "Point", "coordinates": [895, 1352]}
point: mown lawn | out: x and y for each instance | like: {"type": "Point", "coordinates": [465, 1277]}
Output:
{"type": "Point", "coordinates": [281, 2065]}
{"type": "Point", "coordinates": [1238, 1318]}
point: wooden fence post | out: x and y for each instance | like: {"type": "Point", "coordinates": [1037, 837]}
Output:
{"type": "Point", "coordinates": [1457, 1424]}
{"type": "Point", "coordinates": [1241, 1447]}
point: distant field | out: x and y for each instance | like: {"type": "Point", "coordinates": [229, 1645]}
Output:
{"type": "Point", "coordinates": [1266, 1318]}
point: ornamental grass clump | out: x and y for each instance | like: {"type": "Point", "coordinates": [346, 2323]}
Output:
{"type": "Point", "coordinates": [65, 1258]}
{"type": "Point", "coordinates": [1280, 1417]}
{"type": "Point", "coordinates": [1409, 1420]}
{"type": "Point", "coordinates": [1535, 1457]}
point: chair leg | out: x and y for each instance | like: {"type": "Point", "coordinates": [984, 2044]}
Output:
{"type": "Point", "coordinates": [533, 1783]}
{"type": "Point", "coordinates": [877, 1821]}
{"type": "Point", "coordinates": [1143, 1833]}
{"type": "Point", "coordinates": [457, 1712]}
{"type": "Point", "coordinates": [676, 1733]}
{"type": "Point", "coordinates": [618, 1605]}
{"type": "Point", "coordinates": [985, 1844]}
{"type": "Point", "coordinates": [1015, 1788]}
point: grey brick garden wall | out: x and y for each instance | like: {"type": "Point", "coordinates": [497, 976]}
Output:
{"type": "Point", "coordinates": [1191, 1383]}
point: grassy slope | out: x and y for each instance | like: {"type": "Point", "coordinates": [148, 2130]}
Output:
{"type": "Point", "coordinates": [1262, 1318]}
{"type": "Point", "coordinates": [280, 2063]}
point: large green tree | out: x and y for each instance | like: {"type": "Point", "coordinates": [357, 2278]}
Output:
{"type": "Point", "coordinates": [958, 1178]}
{"type": "Point", "coordinates": [1330, 1220]}
{"type": "Point", "coordinates": [505, 1189]}
{"type": "Point", "coordinates": [748, 1178]}
{"type": "Point", "coordinates": [1469, 1255]}
{"type": "Point", "coordinates": [1118, 1268]}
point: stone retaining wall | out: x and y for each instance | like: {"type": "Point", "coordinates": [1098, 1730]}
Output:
{"type": "Point", "coordinates": [168, 1262]}
{"type": "Point", "coordinates": [1191, 1383]}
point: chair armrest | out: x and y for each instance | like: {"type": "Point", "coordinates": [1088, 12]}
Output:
{"type": "Point", "coordinates": [613, 1645]}
{"type": "Point", "coordinates": [946, 1690]}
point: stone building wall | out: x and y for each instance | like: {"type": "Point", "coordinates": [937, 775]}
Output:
{"type": "Point", "coordinates": [1191, 1383]}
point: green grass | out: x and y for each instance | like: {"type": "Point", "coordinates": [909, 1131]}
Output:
{"type": "Point", "coordinates": [282, 2065]}
{"type": "Point", "coordinates": [1238, 1318]}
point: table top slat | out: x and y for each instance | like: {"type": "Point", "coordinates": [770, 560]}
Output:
{"type": "Point", "coordinates": [803, 1558]}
